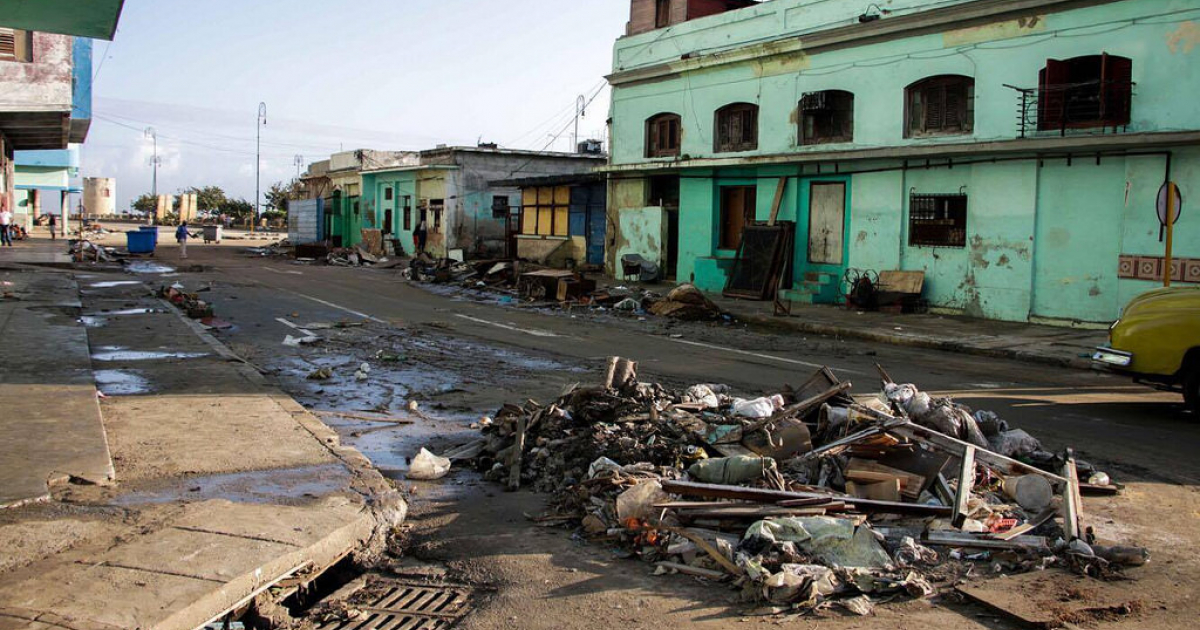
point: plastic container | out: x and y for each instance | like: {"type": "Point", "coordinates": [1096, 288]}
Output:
{"type": "Point", "coordinates": [212, 233]}
{"type": "Point", "coordinates": [140, 242]}
{"type": "Point", "coordinates": [150, 229]}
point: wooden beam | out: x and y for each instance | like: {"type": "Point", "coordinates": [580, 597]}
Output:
{"type": "Point", "coordinates": [955, 446]}
{"type": "Point", "coordinates": [1071, 505]}
{"type": "Point", "coordinates": [976, 541]}
{"type": "Point", "coordinates": [966, 481]}
{"type": "Point", "coordinates": [778, 202]}
{"type": "Point", "coordinates": [688, 488]}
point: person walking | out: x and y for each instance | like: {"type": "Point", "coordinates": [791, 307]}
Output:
{"type": "Point", "coordinates": [181, 236]}
{"type": "Point", "coordinates": [420, 235]}
{"type": "Point", "coordinates": [53, 222]}
{"type": "Point", "coordinates": [6, 219]}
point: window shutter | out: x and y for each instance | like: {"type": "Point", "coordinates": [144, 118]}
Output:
{"type": "Point", "coordinates": [935, 108]}
{"type": "Point", "coordinates": [1051, 94]}
{"type": "Point", "coordinates": [1116, 89]}
{"type": "Point", "coordinates": [8, 42]}
{"type": "Point", "coordinates": [956, 107]}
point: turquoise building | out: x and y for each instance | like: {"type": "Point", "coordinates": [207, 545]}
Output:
{"type": "Point", "coordinates": [1012, 151]}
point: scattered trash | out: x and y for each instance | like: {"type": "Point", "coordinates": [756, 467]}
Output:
{"type": "Point", "coordinates": [800, 499]}
{"type": "Point", "coordinates": [296, 342]}
{"type": "Point", "coordinates": [321, 374]}
{"type": "Point", "coordinates": [426, 466]}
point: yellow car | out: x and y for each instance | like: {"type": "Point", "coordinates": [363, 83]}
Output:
{"type": "Point", "coordinates": [1157, 342]}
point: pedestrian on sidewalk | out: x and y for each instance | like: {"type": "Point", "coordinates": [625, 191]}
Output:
{"type": "Point", "coordinates": [53, 222]}
{"type": "Point", "coordinates": [181, 236]}
{"type": "Point", "coordinates": [6, 219]}
{"type": "Point", "coordinates": [420, 235]}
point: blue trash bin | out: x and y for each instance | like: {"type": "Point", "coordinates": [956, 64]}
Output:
{"type": "Point", "coordinates": [150, 229]}
{"type": "Point", "coordinates": [139, 242]}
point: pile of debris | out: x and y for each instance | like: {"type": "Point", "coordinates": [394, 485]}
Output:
{"type": "Point", "coordinates": [83, 250]}
{"type": "Point", "coordinates": [359, 257]}
{"type": "Point", "coordinates": [189, 303]}
{"type": "Point", "coordinates": [803, 499]}
{"type": "Point", "coordinates": [279, 249]}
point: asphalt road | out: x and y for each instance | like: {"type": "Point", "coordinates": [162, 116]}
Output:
{"type": "Point", "coordinates": [1140, 432]}
{"type": "Point", "coordinates": [488, 353]}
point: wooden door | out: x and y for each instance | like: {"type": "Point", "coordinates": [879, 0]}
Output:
{"type": "Point", "coordinates": [826, 223]}
{"type": "Point", "coordinates": [737, 209]}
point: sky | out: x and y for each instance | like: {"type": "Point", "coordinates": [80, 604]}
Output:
{"type": "Point", "coordinates": [338, 75]}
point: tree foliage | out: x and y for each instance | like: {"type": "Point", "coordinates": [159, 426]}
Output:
{"type": "Point", "coordinates": [239, 209]}
{"type": "Point", "coordinates": [208, 198]}
{"type": "Point", "coordinates": [146, 203]}
{"type": "Point", "coordinates": [280, 193]}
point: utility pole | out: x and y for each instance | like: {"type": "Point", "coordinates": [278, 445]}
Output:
{"type": "Point", "coordinates": [580, 112]}
{"type": "Point", "coordinates": [258, 125]}
{"type": "Point", "coordinates": [299, 165]}
{"type": "Point", "coordinates": [154, 163]}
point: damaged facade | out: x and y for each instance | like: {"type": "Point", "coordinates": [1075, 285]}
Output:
{"type": "Point", "coordinates": [452, 189]}
{"type": "Point", "coordinates": [560, 221]}
{"type": "Point", "coordinates": [1011, 153]}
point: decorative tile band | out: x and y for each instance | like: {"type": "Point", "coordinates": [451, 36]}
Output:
{"type": "Point", "coordinates": [1151, 268]}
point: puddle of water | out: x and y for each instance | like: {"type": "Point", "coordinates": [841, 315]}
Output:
{"type": "Point", "coordinates": [113, 283]}
{"type": "Point", "coordinates": [93, 322]}
{"type": "Point", "coordinates": [98, 320]}
{"type": "Point", "coordinates": [117, 353]}
{"type": "Point", "coordinates": [260, 486]}
{"type": "Point", "coordinates": [145, 266]}
{"type": "Point", "coordinates": [121, 383]}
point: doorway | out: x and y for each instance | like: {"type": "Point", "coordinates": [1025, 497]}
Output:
{"type": "Point", "coordinates": [826, 222]}
{"type": "Point", "coordinates": [664, 193]}
{"type": "Point", "coordinates": [737, 209]}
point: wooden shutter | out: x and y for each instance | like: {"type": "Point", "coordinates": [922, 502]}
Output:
{"type": "Point", "coordinates": [1052, 94]}
{"type": "Point", "coordinates": [8, 42]}
{"type": "Point", "coordinates": [1116, 89]}
{"type": "Point", "coordinates": [935, 107]}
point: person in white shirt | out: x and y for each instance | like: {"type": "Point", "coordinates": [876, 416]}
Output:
{"type": "Point", "coordinates": [6, 219]}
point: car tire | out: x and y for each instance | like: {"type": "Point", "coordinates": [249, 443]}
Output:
{"type": "Point", "coordinates": [1191, 387]}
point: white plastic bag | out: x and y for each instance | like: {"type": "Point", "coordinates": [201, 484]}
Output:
{"type": "Point", "coordinates": [426, 466]}
{"type": "Point", "coordinates": [757, 408]}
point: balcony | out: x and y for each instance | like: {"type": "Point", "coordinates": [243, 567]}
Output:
{"type": "Point", "coordinates": [1060, 109]}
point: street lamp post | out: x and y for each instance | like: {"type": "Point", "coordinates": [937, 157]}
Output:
{"type": "Point", "coordinates": [258, 125]}
{"type": "Point", "coordinates": [580, 111]}
{"type": "Point", "coordinates": [299, 165]}
{"type": "Point", "coordinates": [154, 163]}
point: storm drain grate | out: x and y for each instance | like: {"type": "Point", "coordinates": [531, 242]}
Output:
{"type": "Point", "coordinates": [400, 606]}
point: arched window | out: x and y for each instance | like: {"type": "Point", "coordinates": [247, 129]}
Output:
{"type": "Point", "coordinates": [827, 117]}
{"type": "Point", "coordinates": [663, 135]}
{"type": "Point", "coordinates": [940, 106]}
{"type": "Point", "coordinates": [1091, 91]}
{"type": "Point", "coordinates": [737, 128]}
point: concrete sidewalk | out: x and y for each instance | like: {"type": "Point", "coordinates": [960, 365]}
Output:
{"type": "Point", "coordinates": [50, 422]}
{"type": "Point", "coordinates": [224, 486]}
{"type": "Point", "coordinates": [1048, 345]}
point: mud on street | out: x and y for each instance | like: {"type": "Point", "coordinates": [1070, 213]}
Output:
{"type": "Point", "coordinates": [436, 364]}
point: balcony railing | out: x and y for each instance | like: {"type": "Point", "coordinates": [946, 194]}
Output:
{"type": "Point", "coordinates": [1061, 108]}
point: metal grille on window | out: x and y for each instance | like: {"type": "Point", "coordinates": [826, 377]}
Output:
{"type": "Point", "coordinates": [937, 220]}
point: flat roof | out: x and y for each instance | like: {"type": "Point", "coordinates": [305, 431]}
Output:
{"type": "Point", "coordinates": [551, 180]}
{"type": "Point", "coordinates": [96, 19]}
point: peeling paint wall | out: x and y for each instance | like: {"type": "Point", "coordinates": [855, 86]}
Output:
{"type": "Point", "coordinates": [43, 84]}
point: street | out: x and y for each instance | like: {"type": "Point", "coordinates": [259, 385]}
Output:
{"type": "Point", "coordinates": [488, 354]}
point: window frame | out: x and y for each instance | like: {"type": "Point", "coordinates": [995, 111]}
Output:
{"type": "Point", "coordinates": [845, 106]}
{"type": "Point", "coordinates": [546, 211]}
{"type": "Point", "coordinates": [724, 138]}
{"type": "Point", "coordinates": [1062, 82]}
{"type": "Point", "coordinates": [933, 85]}
{"type": "Point", "coordinates": [437, 207]}
{"type": "Point", "coordinates": [501, 206]}
{"type": "Point", "coordinates": [923, 213]}
{"type": "Point", "coordinates": [19, 46]}
{"type": "Point", "coordinates": [654, 135]}
{"type": "Point", "coordinates": [662, 13]}
{"type": "Point", "coordinates": [389, 193]}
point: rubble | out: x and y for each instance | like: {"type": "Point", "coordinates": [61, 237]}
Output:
{"type": "Point", "coordinates": [818, 498]}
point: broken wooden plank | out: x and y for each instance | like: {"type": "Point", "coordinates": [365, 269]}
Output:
{"type": "Point", "coordinates": [688, 569]}
{"type": "Point", "coordinates": [955, 446]}
{"type": "Point", "coordinates": [689, 488]}
{"type": "Point", "coordinates": [1036, 599]}
{"type": "Point", "coordinates": [944, 538]}
{"type": "Point", "coordinates": [756, 513]}
{"type": "Point", "coordinates": [865, 471]}
{"type": "Point", "coordinates": [1071, 505]}
{"type": "Point", "coordinates": [708, 548]}
{"type": "Point", "coordinates": [514, 469]}
{"type": "Point", "coordinates": [888, 490]}
{"type": "Point", "coordinates": [777, 203]}
{"type": "Point", "coordinates": [1019, 530]}
{"type": "Point", "coordinates": [966, 481]}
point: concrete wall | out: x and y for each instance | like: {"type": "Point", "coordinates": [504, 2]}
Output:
{"type": "Point", "coordinates": [1046, 240]}
{"type": "Point", "coordinates": [1009, 52]}
{"type": "Point", "coordinates": [43, 84]}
